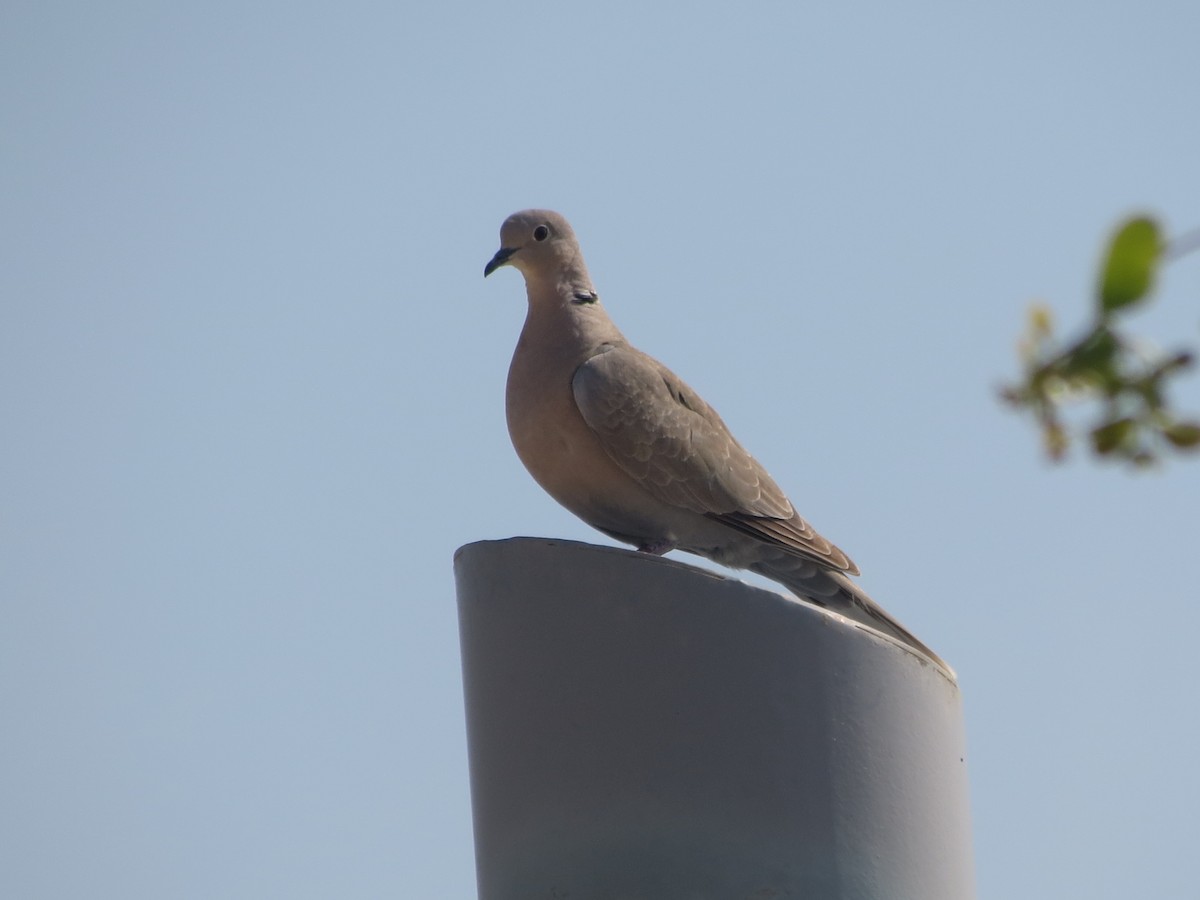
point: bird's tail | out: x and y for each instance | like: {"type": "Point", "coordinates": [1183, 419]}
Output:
{"type": "Point", "coordinates": [836, 592]}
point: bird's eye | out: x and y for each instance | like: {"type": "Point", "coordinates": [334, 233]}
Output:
{"type": "Point", "coordinates": [541, 233]}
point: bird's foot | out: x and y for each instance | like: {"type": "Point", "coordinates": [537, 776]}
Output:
{"type": "Point", "coordinates": [657, 548]}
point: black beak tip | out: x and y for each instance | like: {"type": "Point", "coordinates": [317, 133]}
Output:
{"type": "Point", "coordinates": [502, 256]}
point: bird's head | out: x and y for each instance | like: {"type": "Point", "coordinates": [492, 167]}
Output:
{"type": "Point", "coordinates": [538, 243]}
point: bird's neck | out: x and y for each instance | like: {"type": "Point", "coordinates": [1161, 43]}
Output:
{"type": "Point", "coordinates": [568, 315]}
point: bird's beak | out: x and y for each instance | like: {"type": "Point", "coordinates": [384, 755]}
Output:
{"type": "Point", "coordinates": [503, 255]}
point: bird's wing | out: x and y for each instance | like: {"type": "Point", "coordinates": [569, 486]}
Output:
{"type": "Point", "coordinates": [672, 443]}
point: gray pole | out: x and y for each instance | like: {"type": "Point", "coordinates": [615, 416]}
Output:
{"type": "Point", "coordinates": [640, 729]}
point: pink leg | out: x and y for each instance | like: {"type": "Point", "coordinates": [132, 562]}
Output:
{"type": "Point", "coordinates": [657, 548]}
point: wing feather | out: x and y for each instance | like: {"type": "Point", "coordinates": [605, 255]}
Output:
{"type": "Point", "coordinates": [665, 437]}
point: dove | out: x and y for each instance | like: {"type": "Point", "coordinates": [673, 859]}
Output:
{"type": "Point", "coordinates": [627, 446]}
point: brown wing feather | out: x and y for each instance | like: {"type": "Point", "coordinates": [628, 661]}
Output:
{"type": "Point", "coordinates": [664, 436]}
{"type": "Point", "coordinates": [793, 535]}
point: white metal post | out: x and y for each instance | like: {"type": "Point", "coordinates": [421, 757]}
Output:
{"type": "Point", "coordinates": [640, 729]}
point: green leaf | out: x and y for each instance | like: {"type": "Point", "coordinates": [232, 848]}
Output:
{"type": "Point", "coordinates": [1111, 435]}
{"type": "Point", "coordinates": [1129, 267]}
{"type": "Point", "coordinates": [1094, 355]}
{"type": "Point", "coordinates": [1185, 435]}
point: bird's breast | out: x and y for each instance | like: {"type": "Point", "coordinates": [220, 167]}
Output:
{"type": "Point", "coordinates": [547, 431]}
{"type": "Point", "coordinates": [566, 457]}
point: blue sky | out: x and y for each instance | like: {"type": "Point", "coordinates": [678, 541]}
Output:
{"type": "Point", "coordinates": [252, 381]}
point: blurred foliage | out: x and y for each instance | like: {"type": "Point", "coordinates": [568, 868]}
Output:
{"type": "Point", "coordinates": [1106, 369]}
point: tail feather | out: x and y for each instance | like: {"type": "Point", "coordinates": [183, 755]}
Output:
{"type": "Point", "coordinates": [835, 591]}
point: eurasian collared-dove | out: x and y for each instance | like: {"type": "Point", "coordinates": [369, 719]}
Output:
{"type": "Point", "coordinates": [621, 441]}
